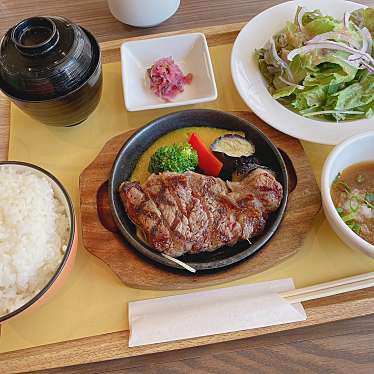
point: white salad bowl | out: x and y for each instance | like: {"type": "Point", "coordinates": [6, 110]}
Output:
{"type": "Point", "coordinates": [253, 88]}
{"type": "Point", "coordinates": [189, 51]}
{"type": "Point", "coordinates": [356, 149]}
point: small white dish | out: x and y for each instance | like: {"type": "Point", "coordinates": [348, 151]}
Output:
{"type": "Point", "coordinates": [252, 87]}
{"type": "Point", "coordinates": [356, 149]}
{"type": "Point", "coordinates": [189, 51]}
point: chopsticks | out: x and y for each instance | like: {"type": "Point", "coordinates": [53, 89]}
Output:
{"type": "Point", "coordinates": [321, 290]}
{"type": "Point", "coordinates": [318, 291]}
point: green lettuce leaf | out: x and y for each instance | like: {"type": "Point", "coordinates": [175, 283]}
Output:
{"type": "Point", "coordinates": [364, 18]}
{"type": "Point", "coordinates": [332, 76]}
{"type": "Point", "coordinates": [283, 92]}
{"type": "Point", "coordinates": [321, 25]}
{"type": "Point", "coordinates": [369, 19]}
{"type": "Point", "coordinates": [295, 37]}
{"type": "Point", "coordinates": [332, 71]}
{"type": "Point", "coordinates": [301, 66]}
{"type": "Point", "coordinates": [367, 109]}
{"type": "Point", "coordinates": [308, 16]}
{"type": "Point", "coordinates": [367, 82]}
{"type": "Point", "coordinates": [348, 98]}
{"type": "Point", "coordinates": [310, 99]}
{"type": "Point", "coordinates": [357, 96]}
{"type": "Point", "coordinates": [263, 66]}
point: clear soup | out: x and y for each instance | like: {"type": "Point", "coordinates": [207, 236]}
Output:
{"type": "Point", "coordinates": [353, 195]}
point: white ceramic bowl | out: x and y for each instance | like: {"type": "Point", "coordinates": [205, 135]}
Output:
{"type": "Point", "coordinates": [143, 13]}
{"type": "Point", "coordinates": [252, 87]}
{"type": "Point", "coordinates": [64, 269]}
{"type": "Point", "coordinates": [189, 51]}
{"type": "Point", "coordinates": [356, 149]}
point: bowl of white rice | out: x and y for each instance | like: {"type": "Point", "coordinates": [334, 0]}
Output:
{"type": "Point", "coordinates": [38, 239]}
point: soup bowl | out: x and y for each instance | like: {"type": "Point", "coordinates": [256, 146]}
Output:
{"type": "Point", "coordinates": [356, 149]}
{"type": "Point", "coordinates": [51, 69]}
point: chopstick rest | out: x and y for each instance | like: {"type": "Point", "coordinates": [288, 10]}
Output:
{"type": "Point", "coordinates": [212, 312]}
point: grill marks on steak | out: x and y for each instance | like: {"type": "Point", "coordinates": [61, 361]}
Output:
{"type": "Point", "coordinates": [221, 226]}
{"type": "Point", "coordinates": [192, 213]}
{"type": "Point", "coordinates": [264, 187]}
{"type": "Point", "coordinates": [194, 222]}
{"type": "Point", "coordinates": [164, 198]}
{"type": "Point", "coordinates": [148, 216]}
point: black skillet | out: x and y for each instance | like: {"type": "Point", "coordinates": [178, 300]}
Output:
{"type": "Point", "coordinates": [142, 139]}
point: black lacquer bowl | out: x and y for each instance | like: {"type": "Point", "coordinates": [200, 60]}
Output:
{"type": "Point", "coordinates": [142, 139]}
{"type": "Point", "coordinates": [51, 68]}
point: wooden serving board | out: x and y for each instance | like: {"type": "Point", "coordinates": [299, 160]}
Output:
{"type": "Point", "coordinates": [101, 238]}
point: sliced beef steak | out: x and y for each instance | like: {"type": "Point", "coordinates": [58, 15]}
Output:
{"type": "Point", "coordinates": [192, 213]}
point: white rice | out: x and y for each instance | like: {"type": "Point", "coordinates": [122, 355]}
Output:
{"type": "Point", "coordinates": [34, 231]}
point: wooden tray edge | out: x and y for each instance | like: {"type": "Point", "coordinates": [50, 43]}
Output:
{"type": "Point", "coordinates": [115, 345]}
{"type": "Point", "coordinates": [215, 35]}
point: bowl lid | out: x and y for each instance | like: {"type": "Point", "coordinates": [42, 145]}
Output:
{"type": "Point", "coordinates": [43, 57]}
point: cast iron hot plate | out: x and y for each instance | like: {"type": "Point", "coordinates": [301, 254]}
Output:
{"type": "Point", "coordinates": [142, 139]}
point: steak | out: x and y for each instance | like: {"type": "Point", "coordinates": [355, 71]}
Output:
{"type": "Point", "coordinates": [193, 213]}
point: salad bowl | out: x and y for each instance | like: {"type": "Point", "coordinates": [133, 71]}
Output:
{"type": "Point", "coordinates": [254, 89]}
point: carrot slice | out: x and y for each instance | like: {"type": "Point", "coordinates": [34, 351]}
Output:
{"type": "Point", "coordinates": [208, 162]}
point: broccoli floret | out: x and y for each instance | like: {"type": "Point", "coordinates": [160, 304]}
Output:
{"type": "Point", "coordinates": [176, 157]}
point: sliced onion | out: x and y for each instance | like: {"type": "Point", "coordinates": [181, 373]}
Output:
{"type": "Point", "coordinates": [354, 63]}
{"type": "Point", "coordinates": [367, 41]}
{"type": "Point", "coordinates": [355, 27]}
{"type": "Point", "coordinates": [290, 83]}
{"type": "Point", "coordinates": [347, 16]}
{"type": "Point", "coordinates": [369, 67]}
{"type": "Point", "coordinates": [329, 45]}
{"type": "Point", "coordinates": [297, 51]}
{"type": "Point", "coordinates": [340, 47]}
{"type": "Point", "coordinates": [332, 112]}
{"type": "Point", "coordinates": [300, 16]}
{"type": "Point", "coordinates": [354, 57]}
{"type": "Point", "coordinates": [279, 60]}
{"type": "Point", "coordinates": [276, 56]}
{"type": "Point", "coordinates": [335, 35]}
